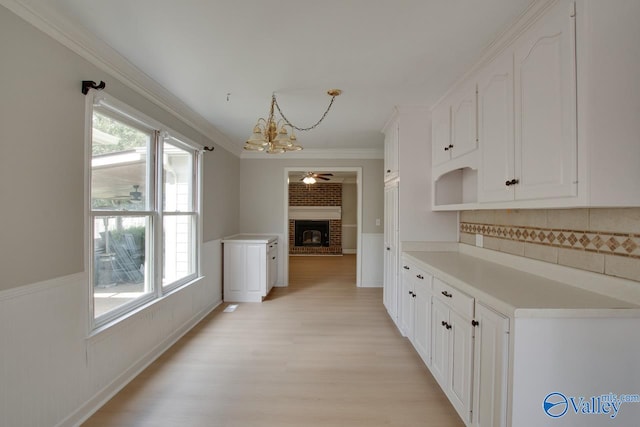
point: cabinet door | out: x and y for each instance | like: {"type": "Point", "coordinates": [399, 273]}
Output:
{"type": "Point", "coordinates": [391, 142]}
{"type": "Point", "coordinates": [234, 271]}
{"type": "Point", "coordinates": [495, 130]}
{"type": "Point", "coordinates": [255, 269]}
{"type": "Point", "coordinates": [422, 320]}
{"type": "Point", "coordinates": [461, 364]}
{"type": "Point", "coordinates": [390, 288]}
{"type": "Point", "coordinates": [406, 306]}
{"type": "Point", "coordinates": [272, 266]}
{"type": "Point", "coordinates": [545, 107]}
{"type": "Point", "coordinates": [440, 342]}
{"type": "Point", "coordinates": [441, 134]}
{"type": "Point", "coordinates": [491, 357]}
{"type": "Point", "coordinates": [464, 135]}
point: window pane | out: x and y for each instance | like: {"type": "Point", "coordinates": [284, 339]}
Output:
{"type": "Point", "coordinates": [119, 165]}
{"type": "Point", "coordinates": [178, 179]}
{"type": "Point", "coordinates": [120, 252]}
{"type": "Point", "coordinates": [179, 259]}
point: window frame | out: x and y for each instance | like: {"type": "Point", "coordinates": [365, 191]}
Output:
{"type": "Point", "coordinates": [154, 209]}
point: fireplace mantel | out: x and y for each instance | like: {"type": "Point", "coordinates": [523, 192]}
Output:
{"type": "Point", "coordinates": [315, 212]}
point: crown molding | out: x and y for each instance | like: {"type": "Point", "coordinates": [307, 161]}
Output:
{"type": "Point", "coordinates": [314, 153]}
{"type": "Point", "coordinates": [82, 42]}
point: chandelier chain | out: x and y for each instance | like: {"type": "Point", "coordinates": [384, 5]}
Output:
{"type": "Point", "coordinates": [296, 127]}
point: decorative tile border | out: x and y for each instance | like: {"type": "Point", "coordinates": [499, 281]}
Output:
{"type": "Point", "coordinates": [621, 244]}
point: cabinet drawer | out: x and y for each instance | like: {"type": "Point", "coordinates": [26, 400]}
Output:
{"type": "Point", "coordinates": [457, 300]}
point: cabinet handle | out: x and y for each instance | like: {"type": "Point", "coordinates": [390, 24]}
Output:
{"type": "Point", "coordinates": [512, 182]}
{"type": "Point", "coordinates": [448, 326]}
{"type": "Point", "coordinates": [444, 323]}
{"type": "Point", "coordinates": [410, 293]}
{"type": "Point", "coordinates": [405, 267]}
{"type": "Point", "coordinates": [446, 294]}
{"type": "Point", "coordinates": [474, 323]}
{"type": "Point", "coordinates": [448, 148]}
{"type": "Point", "coordinates": [414, 295]}
{"type": "Point", "coordinates": [420, 276]}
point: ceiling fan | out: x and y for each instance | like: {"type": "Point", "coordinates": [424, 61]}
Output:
{"type": "Point", "coordinates": [312, 177]}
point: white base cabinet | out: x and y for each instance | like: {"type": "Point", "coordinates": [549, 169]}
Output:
{"type": "Point", "coordinates": [250, 267]}
{"type": "Point", "coordinates": [502, 341]}
{"type": "Point", "coordinates": [414, 315]}
{"type": "Point", "coordinates": [491, 358]}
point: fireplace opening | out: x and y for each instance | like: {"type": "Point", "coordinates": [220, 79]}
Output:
{"type": "Point", "coordinates": [311, 233]}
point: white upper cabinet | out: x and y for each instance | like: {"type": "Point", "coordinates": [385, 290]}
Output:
{"type": "Point", "coordinates": [441, 134]}
{"type": "Point", "coordinates": [495, 130]}
{"type": "Point", "coordinates": [545, 107]}
{"type": "Point", "coordinates": [391, 142]}
{"type": "Point", "coordinates": [454, 130]}
{"type": "Point", "coordinates": [464, 135]}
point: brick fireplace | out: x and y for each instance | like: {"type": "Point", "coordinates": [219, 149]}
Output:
{"type": "Point", "coordinates": [315, 213]}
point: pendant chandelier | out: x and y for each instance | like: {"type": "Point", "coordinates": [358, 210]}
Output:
{"type": "Point", "coordinates": [272, 136]}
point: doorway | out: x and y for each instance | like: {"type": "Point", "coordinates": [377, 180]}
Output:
{"type": "Point", "coordinates": [297, 173]}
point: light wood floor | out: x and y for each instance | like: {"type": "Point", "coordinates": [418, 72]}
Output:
{"type": "Point", "coordinates": [318, 353]}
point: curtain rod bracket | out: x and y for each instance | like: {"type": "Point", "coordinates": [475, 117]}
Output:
{"type": "Point", "coordinates": [88, 84]}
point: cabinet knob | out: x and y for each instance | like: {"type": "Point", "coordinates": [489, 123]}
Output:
{"type": "Point", "coordinates": [446, 294]}
{"type": "Point", "coordinates": [388, 248]}
{"type": "Point", "coordinates": [388, 170]}
{"type": "Point", "coordinates": [420, 276]}
{"type": "Point", "coordinates": [449, 147]}
{"type": "Point", "coordinates": [512, 182]}
{"type": "Point", "coordinates": [448, 326]}
{"type": "Point", "coordinates": [406, 267]}
{"type": "Point", "coordinates": [444, 323]}
{"type": "Point", "coordinates": [474, 323]}
{"type": "Point", "coordinates": [273, 258]}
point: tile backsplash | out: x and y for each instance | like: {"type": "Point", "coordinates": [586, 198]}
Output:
{"type": "Point", "coordinates": [605, 241]}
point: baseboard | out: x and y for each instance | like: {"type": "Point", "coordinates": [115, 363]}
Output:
{"type": "Point", "coordinates": [99, 399]}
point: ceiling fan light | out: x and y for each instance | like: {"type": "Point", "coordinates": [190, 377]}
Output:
{"type": "Point", "coordinates": [309, 180]}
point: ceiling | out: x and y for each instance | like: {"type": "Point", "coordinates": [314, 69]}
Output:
{"type": "Point", "coordinates": [224, 58]}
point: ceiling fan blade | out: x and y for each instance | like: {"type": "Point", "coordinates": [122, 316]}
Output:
{"type": "Point", "coordinates": [322, 178]}
{"type": "Point", "coordinates": [323, 174]}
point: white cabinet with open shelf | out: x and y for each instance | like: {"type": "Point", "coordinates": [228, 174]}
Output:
{"type": "Point", "coordinates": [551, 121]}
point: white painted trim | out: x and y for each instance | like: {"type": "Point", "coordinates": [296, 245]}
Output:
{"type": "Point", "coordinates": [42, 286]}
{"type": "Point", "coordinates": [285, 239]}
{"type": "Point", "coordinates": [45, 18]}
{"type": "Point", "coordinates": [343, 153]}
{"type": "Point", "coordinates": [104, 395]}
{"type": "Point", "coordinates": [349, 225]}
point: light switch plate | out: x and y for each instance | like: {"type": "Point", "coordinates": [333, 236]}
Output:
{"type": "Point", "coordinates": [479, 240]}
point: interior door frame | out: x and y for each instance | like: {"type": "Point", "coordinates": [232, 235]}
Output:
{"type": "Point", "coordinates": [320, 169]}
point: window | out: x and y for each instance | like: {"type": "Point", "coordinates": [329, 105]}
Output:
{"type": "Point", "coordinates": [144, 185]}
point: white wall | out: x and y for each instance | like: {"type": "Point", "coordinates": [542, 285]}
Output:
{"type": "Point", "coordinates": [51, 372]}
{"type": "Point", "coordinates": [349, 217]}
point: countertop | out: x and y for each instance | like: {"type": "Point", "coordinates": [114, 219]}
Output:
{"type": "Point", "coordinates": [517, 293]}
{"type": "Point", "coordinates": [249, 238]}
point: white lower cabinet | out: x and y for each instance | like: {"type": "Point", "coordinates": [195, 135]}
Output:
{"type": "Point", "coordinates": [415, 309]}
{"type": "Point", "coordinates": [250, 267]}
{"type": "Point", "coordinates": [452, 345]}
{"type": "Point", "coordinates": [491, 358]}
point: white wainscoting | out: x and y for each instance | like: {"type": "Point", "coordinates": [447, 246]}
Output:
{"type": "Point", "coordinates": [372, 260]}
{"type": "Point", "coordinates": [54, 375]}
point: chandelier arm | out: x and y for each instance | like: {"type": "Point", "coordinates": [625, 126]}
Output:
{"type": "Point", "coordinates": [296, 127]}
